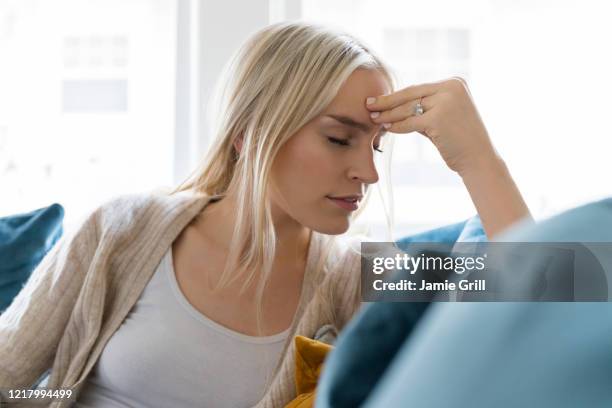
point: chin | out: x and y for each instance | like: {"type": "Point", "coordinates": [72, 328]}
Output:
{"type": "Point", "coordinates": [337, 228]}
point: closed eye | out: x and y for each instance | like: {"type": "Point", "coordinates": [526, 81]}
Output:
{"type": "Point", "coordinates": [338, 141]}
{"type": "Point", "coordinates": [346, 143]}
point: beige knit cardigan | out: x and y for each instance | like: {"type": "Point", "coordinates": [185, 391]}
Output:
{"type": "Point", "coordinates": [83, 289]}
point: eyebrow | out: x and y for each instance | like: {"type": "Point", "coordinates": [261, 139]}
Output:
{"type": "Point", "coordinates": [348, 121]}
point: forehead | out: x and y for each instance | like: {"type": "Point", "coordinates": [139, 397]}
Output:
{"type": "Point", "coordinates": [359, 85]}
{"type": "Point", "coordinates": [349, 102]}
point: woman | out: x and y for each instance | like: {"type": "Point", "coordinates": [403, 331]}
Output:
{"type": "Point", "coordinates": [194, 297]}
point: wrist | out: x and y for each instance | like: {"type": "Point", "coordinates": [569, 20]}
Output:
{"type": "Point", "coordinates": [494, 194]}
{"type": "Point", "coordinates": [484, 165]}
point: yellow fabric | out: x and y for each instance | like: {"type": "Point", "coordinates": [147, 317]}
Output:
{"type": "Point", "coordinates": [309, 357]}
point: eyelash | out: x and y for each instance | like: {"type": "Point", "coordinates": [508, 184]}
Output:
{"type": "Point", "coordinates": [345, 143]}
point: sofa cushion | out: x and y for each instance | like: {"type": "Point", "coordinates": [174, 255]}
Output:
{"type": "Point", "coordinates": [24, 241]}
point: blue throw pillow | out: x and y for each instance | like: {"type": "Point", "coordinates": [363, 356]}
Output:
{"type": "Point", "coordinates": [446, 234]}
{"type": "Point", "coordinates": [469, 230]}
{"type": "Point", "coordinates": [24, 241]}
{"type": "Point", "coordinates": [472, 231]}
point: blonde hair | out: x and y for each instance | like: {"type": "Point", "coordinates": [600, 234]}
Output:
{"type": "Point", "coordinates": [284, 76]}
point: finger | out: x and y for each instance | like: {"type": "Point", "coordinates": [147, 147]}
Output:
{"type": "Point", "coordinates": [410, 124]}
{"type": "Point", "coordinates": [403, 111]}
{"type": "Point", "coordinates": [386, 102]}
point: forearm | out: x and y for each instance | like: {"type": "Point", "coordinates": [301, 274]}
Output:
{"type": "Point", "coordinates": [495, 195]}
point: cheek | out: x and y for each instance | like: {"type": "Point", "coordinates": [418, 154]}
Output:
{"type": "Point", "coordinates": [305, 169]}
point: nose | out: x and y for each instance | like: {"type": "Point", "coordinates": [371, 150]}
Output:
{"type": "Point", "coordinates": [364, 168]}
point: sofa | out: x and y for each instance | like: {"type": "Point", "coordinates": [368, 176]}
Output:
{"type": "Point", "coordinates": [24, 241]}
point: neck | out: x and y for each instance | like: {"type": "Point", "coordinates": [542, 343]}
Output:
{"type": "Point", "coordinates": [292, 238]}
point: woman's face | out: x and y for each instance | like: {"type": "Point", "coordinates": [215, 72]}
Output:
{"type": "Point", "coordinates": [311, 166]}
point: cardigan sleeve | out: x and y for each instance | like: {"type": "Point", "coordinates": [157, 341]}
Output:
{"type": "Point", "coordinates": [32, 326]}
{"type": "Point", "coordinates": [347, 283]}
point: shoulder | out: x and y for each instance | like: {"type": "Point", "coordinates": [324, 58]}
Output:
{"type": "Point", "coordinates": [345, 277]}
{"type": "Point", "coordinates": [343, 265]}
{"type": "Point", "coordinates": [346, 254]}
{"type": "Point", "coordinates": [139, 210]}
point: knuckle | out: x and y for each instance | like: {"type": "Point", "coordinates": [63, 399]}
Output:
{"type": "Point", "coordinates": [407, 91]}
{"type": "Point", "coordinates": [458, 82]}
{"type": "Point", "coordinates": [460, 79]}
{"type": "Point", "coordinates": [381, 117]}
{"type": "Point", "coordinates": [385, 100]}
{"type": "Point", "coordinates": [400, 110]}
{"type": "Point", "coordinates": [446, 97]}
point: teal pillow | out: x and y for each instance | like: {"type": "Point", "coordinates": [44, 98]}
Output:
{"type": "Point", "coordinates": [470, 230]}
{"type": "Point", "coordinates": [24, 241]}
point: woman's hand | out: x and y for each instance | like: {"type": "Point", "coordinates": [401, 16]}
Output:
{"type": "Point", "coordinates": [450, 120]}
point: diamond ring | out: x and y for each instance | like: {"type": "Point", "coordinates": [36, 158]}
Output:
{"type": "Point", "coordinates": [418, 109]}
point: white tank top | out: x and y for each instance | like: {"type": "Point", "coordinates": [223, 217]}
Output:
{"type": "Point", "coordinates": [168, 354]}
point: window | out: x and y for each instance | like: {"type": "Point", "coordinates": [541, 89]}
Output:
{"type": "Point", "coordinates": [87, 101]}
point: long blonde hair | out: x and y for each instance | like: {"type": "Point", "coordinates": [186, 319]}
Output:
{"type": "Point", "coordinates": [281, 78]}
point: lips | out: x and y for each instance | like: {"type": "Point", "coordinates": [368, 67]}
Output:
{"type": "Point", "coordinates": [350, 199]}
{"type": "Point", "coordinates": [348, 203]}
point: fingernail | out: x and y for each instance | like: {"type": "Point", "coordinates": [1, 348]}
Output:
{"type": "Point", "coordinates": [370, 100]}
{"type": "Point", "coordinates": [387, 125]}
{"type": "Point", "coordinates": [374, 115]}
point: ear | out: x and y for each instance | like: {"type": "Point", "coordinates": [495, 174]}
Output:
{"type": "Point", "coordinates": [238, 144]}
